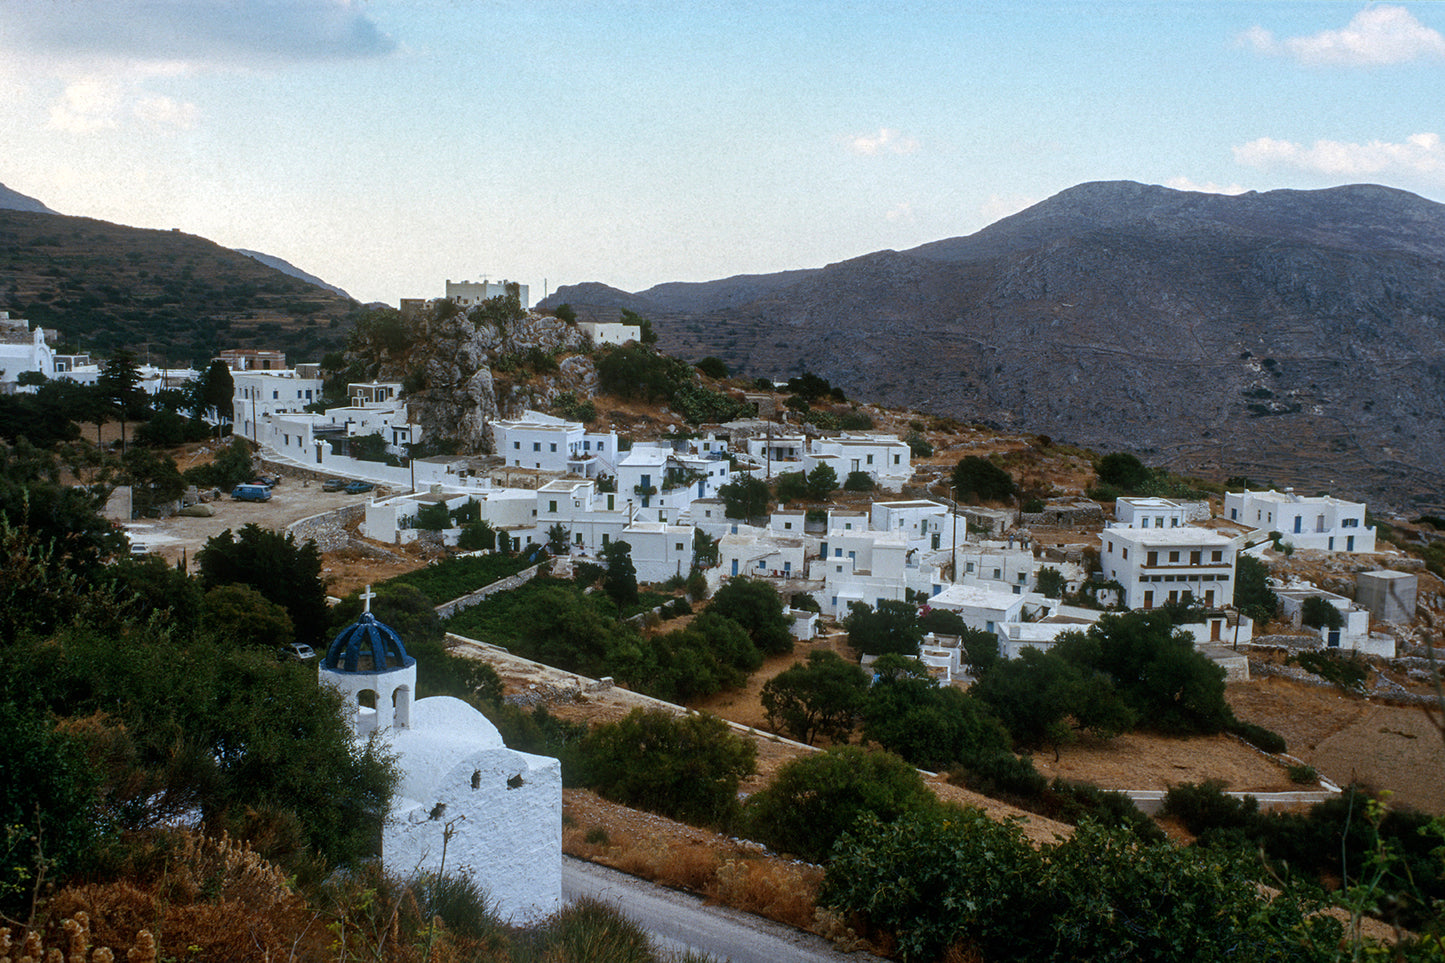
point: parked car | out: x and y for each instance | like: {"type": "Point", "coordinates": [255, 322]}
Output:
{"type": "Point", "coordinates": [297, 652]}
{"type": "Point", "coordinates": [270, 481]}
{"type": "Point", "coordinates": [357, 487]}
{"type": "Point", "coordinates": [251, 493]}
{"type": "Point", "coordinates": [334, 484]}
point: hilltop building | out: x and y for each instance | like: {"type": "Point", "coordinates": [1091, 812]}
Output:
{"type": "Point", "coordinates": [469, 294]}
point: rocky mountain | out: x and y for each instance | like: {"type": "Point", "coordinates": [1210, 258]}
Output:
{"type": "Point", "coordinates": [1295, 337]}
{"type": "Point", "coordinates": [16, 201]}
{"type": "Point", "coordinates": [287, 268]}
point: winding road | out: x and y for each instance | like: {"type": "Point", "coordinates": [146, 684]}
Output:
{"type": "Point", "coordinates": [680, 921]}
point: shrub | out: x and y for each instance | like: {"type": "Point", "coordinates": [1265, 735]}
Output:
{"type": "Point", "coordinates": [982, 478]}
{"type": "Point", "coordinates": [815, 799]}
{"type": "Point", "coordinates": [687, 768]}
{"type": "Point", "coordinates": [1257, 736]}
{"type": "Point", "coordinates": [1303, 774]}
{"type": "Point", "coordinates": [940, 876]}
{"type": "Point", "coordinates": [859, 481]}
{"type": "Point", "coordinates": [1122, 470]}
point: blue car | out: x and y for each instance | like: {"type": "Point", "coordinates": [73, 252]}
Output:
{"type": "Point", "coordinates": [251, 493]}
{"type": "Point", "coordinates": [357, 487]}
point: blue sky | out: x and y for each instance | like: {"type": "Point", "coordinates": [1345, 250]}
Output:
{"type": "Point", "coordinates": [389, 146]}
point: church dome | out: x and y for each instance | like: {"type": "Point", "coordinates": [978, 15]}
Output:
{"type": "Point", "coordinates": [367, 645]}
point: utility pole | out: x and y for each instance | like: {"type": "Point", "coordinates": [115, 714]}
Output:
{"type": "Point", "coordinates": [953, 507]}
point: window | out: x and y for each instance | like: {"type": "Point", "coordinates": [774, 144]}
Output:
{"type": "Point", "coordinates": [1158, 521]}
{"type": "Point", "coordinates": [606, 538]}
{"type": "Point", "coordinates": [517, 445]}
{"type": "Point", "coordinates": [787, 526]}
{"type": "Point", "coordinates": [536, 446]}
{"type": "Point", "coordinates": [275, 395]}
{"type": "Point", "coordinates": [554, 446]}
{"type": "Point", "coordinates": [837, 553]}
{"type": "Point", "coordinates": [1126, 553]}
{"type": "Point", "coordinates": [1217, 555]}
{"type": "Point", "coordinates": [1149, 599]}
{"type": "Point", "coordinates": [1174, 556]}
{"type": "Point", "coordinates": [968, 566]}
{"type": "Point", "coordinates": [997, 573]}
{"type": "Point", "coordinates": [1110, 546]}
{"type": "Point", "coordinates": [895, 460]}
{"type": "Point", "coordinates": [1196, 557]}
{"type": "Point", "coordinates": [1023, 577]}
{"type": "Point", "coordinates": [1152, 558]}
{"type": "Point", "coordinates": [1143, 521]}
{"type": "Point", "coordinates": [1349, 523]}
{"type": "Point", "coordinates": [870, 459]}
{"type": "Point", "coordinates": [552, 506]}
{"type": "Point", "coordinates": [677, 546]}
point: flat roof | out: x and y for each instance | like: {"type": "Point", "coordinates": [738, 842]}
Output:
{"type": "Point", "coordinates": [1184, 535]}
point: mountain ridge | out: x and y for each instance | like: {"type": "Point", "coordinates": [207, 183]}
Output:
{"type": "Point", "coordinates": [1291, 336]}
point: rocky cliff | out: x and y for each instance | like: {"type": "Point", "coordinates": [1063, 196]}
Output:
{"type": "Point", "coordinates": [1291, 336]}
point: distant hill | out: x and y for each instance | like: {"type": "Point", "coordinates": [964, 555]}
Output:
{"type": "Point", "coordinates": [104, 286]}
{"type": "Point", "coordinates": [1290, 336]}
{"type": "Point", "coordinates": [16, 201]}
{"type": "Point", "coordinates": [286, 267]}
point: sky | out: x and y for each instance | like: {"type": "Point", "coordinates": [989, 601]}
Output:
{"type": "Point", "coordinates": [387, 147]}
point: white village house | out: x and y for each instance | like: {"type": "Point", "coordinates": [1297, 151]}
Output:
{"type": "Point", "coordinates": [1320, 522]}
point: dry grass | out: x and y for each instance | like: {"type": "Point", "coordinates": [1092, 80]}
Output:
{"type": "Point", "coordinates": [720, 869]}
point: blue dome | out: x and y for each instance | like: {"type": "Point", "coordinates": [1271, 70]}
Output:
{"type": "Point", "coordinates": [367, 645]}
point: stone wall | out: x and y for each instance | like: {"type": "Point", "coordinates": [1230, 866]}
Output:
{"type": "Point", "coordinates": [328, 530]}
{"type": "Point", "coordinates": [448, 609]}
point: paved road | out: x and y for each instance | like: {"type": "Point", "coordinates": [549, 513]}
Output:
{"type": "Point", "coordinates": [680, 921]}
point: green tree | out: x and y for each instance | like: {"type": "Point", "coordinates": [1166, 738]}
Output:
{"type": "Point", "coordinates": [1318, 613]}
{"type": "Point", "coordinates": [620, 582]}
{"type": "Point", "coordinates": [213, 394]}
{"type": "Point", "coordinates": [940, 876]}
{"type": "Point", "coordinates": [1124, 471]}
{"type": "Point", "coordinates": [476, 536]}
{"type": "Point", "coordinates": [687, 768]}
{"type": "Point", "coordinates": [276, 566]}
{"type": "Point", "coordinates": [934, 727]}
{"type": "Point", "coordinates": [891, 627]}
{"type": "Point", "coordinates": [813, 800]}
{"type": "Point", "coordinates": [566, 313]}
{"type": "Point", "coordinates": [50, 806]}
{"type": "Point", "coordinates": [757, 607]}
{"type": "Point", "coordinates": [818, 698]}
{"type": "Point", "coordinates": [712, 367]}
{"type": "Point", "coordinates": [1051, 582]}
{"type": "Point", "coordinates": [153, 478]}
{"type": "Point", "coordinates": [119, 385]}
{"type": "Point", "coordinates": [1171, 687]}
{"type": "Point", "coordinates": [240, 614]}
{"type": "Point", "coordinates": [748, 497]}
{"type": "Point", "coordinates": [793, 486]}
{"type": "Point", "coordinates": [822, 482]}
{"type": "Point", "coordinates": [982, 478]}
{"type": "Point", "coordinates": [859, 481]}
{"type": "Point", "coordinates": [1041, 699]}
{"type": "Point", "coordinates": [1252, 594]}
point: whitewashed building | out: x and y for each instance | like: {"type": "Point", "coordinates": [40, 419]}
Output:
{"type": "Point", "coordinates": [496, 813]}
{"type": "Point", "coordinates": [548, 443]}
{"type": "Point", "coordinates": [1156, 566]}
{"type": "Point", "coordinates": [22, 349]}
{"type": "Point", "coordinates": [1320, 522]}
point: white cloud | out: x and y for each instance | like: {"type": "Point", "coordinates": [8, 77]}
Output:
{"type": "Point", "coordinates": [161, 111]}
{"type": "Point", "coordinates": [1208, 187]}
{"type": "Point", "coordinates": [1419, 154]}
{"type": "Point", "coordinates": [172, 33]}
{"type": "Point", "coordinates": [1374, 37]}
{"type": "Point", "coordinates": [86, 106]}
{"type": "Point", "coordinates": [1000, 206]}
{"type": "Point", "coordinates": [900, 212]}
{"type": "Point", "coordinates": [886, 141]}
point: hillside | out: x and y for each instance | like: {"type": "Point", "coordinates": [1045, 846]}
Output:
{"type": "Point", "coordinates": [1290, 336]}
{"type": "Point", "coordinates": [104, 286]}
